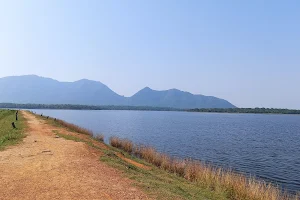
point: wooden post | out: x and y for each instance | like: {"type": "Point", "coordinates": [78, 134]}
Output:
{"type": "Point", "coordinates": [13, 125]}
{"type": "Point", "coordinates": [16, 116]}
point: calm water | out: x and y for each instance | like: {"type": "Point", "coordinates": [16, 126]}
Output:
{"type": "Point", "coordinates": [267, 146]}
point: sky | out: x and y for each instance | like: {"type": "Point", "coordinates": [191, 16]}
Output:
{"type": "Point", "coordinates": [247, 52]}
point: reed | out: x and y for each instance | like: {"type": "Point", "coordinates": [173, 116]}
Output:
{"type": "Point", "coordinates": [237, 186]}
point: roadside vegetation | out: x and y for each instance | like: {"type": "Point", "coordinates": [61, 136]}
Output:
{"type": "Point", "coordinates": [164, 177]}
{"type": "Point", "coordinates": [8, 134]}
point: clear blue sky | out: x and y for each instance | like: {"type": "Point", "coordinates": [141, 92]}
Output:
{"type": "Point", "coordinates": [247, 52]}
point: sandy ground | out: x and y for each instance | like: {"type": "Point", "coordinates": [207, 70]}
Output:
{"type": "Point", "coordinates": [46, 167]}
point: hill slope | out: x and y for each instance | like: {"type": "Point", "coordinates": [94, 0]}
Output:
{"type": "Point", "coordinates": [39, 90]}
{"type": "Point", "coordinates": [176, 99]}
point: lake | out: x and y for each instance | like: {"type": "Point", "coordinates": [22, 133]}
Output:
{"type": "Point", "coordinates": [266, 146]}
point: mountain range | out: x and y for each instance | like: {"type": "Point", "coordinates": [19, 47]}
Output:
{"type": "Point", "coordinates": [40, 90]}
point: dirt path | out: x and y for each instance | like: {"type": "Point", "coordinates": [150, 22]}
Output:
{"type": "Point", "coordinates": [45, 167]}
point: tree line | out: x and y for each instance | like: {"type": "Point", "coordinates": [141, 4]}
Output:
{"type": "Point", "coordinates": [247, 110]}
{"type": "Point", "coordinates": [147, 108]}
{"type": "Point", "coordinates": [82, 107]}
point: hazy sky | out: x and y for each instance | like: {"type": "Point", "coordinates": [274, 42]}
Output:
{"type": "Point", "coordinates": [247, 52]}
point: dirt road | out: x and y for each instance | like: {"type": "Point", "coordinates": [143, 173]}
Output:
{"type": "Point", "coordinates": [46, 167]}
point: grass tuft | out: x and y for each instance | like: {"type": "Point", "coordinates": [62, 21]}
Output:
{"type": "Point", "coordinates": [123, 144]}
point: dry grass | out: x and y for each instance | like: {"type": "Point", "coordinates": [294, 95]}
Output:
{"type": "Point", "coordinates": [115, 142]}
{"type": "Point", "coordinates": [237, 186]}
{"type": "Point", "coordinates": [123, 144]}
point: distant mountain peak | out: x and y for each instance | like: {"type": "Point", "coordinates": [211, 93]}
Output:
{"type": "Point", "coordinates": [31, 75]}
{"type": "Point", "coordinates": [175, 90]}
{"type": "Point", "coordinates": [169, 90]}
{"type": "Point", "coordinates": [40, 90]}
{"type": "Point", "coordinates": [146, 88]}
{"type": "Point", "coordinates": [83, 80]}
{"type": "Point", "coordinates": [89, 82]}
{"type": "Point", "coordinates": [86, 81]}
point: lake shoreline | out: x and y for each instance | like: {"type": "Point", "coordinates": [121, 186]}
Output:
{"type": "Point", "coordinates": [167, 163]}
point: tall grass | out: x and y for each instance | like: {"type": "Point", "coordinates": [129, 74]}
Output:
{"type": "Point", "coordinates": [236, 186]}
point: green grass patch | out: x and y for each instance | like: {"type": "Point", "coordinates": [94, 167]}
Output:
{"type": "Point", "coordinates": [9, 135]}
